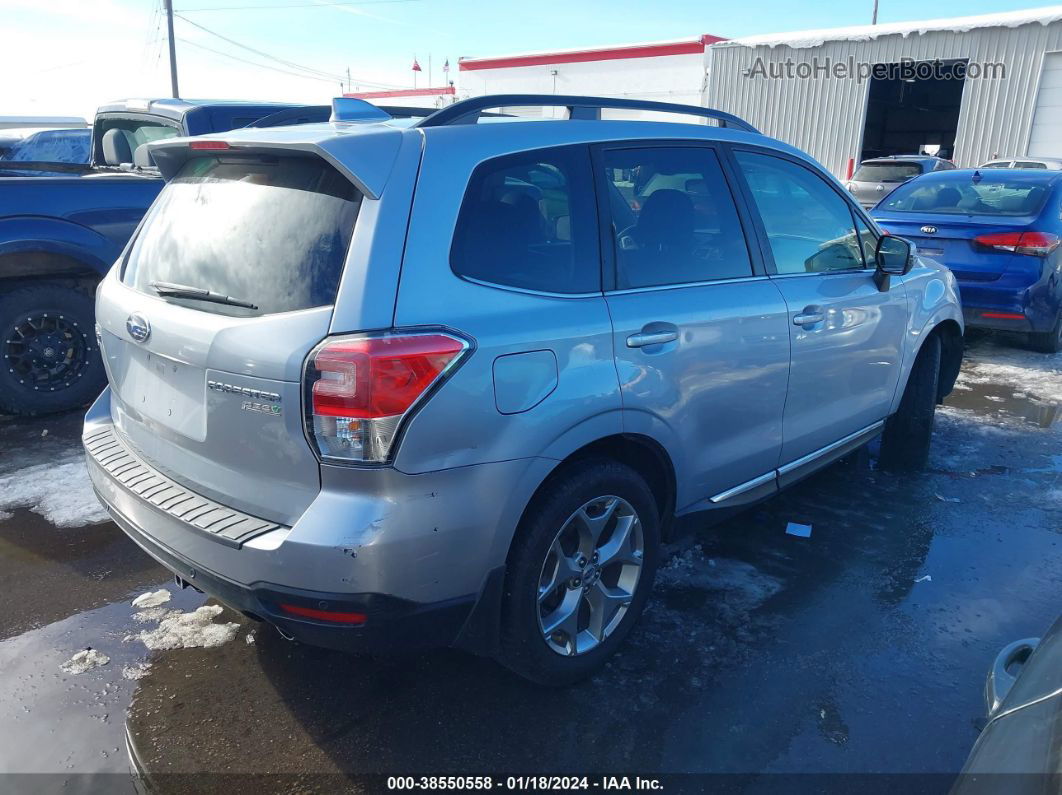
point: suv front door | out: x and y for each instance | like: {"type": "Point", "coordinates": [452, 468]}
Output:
{"type": "Point", "coordinates": [701, 334]}
{"type": "Point", "coordinates": [847, 336]}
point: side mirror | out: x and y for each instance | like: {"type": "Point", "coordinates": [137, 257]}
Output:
{"type": "Point", "coordinates": [892, 258]}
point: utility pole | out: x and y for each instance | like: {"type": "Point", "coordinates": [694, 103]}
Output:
{"type": "Point", "coordinates": [173, 51]}
{"type": "Point", "coordinates": [873, 19]}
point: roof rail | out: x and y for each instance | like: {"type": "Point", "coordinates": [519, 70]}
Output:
{"type": "Point", "coordinates": [582, 108]}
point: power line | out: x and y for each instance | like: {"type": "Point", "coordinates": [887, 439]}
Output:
{"type": "Point", "coordinates": [252, 63]}
{"type": "Point", "coordinates": [294, 5]}
{"type": "Point", "coordinates": [317, 73]}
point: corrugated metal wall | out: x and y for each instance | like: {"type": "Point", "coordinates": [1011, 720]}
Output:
{"type": "Point", "coordinates": [825, 116]}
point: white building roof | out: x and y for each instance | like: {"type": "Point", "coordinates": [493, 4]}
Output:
{"type": "Point", "coordinates": [815, 38]}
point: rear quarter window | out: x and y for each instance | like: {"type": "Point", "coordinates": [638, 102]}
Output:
{"type": "Point", "coordinates": [528, 221]}
{"type": "Point", "coordinates": [272, 231]}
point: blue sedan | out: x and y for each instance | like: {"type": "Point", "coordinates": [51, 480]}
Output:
{"type": "Point", "coordinates": [999, 231]}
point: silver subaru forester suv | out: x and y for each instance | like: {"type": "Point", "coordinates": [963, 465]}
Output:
{"type": "Point", "coordinates": [393, 382]}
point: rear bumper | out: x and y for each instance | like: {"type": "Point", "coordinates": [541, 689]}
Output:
{"type": "Point", "coordinates": [1009, 307]}
{"type": "Point", "coordinates": [413, 553]}
{"type": "Point", "coordinates": [391, 624]}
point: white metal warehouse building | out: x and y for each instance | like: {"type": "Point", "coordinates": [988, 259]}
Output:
{"type": "Point", "coordinates": [836, 119]}
{"type": "Point", "coordinates": [1012, 107]}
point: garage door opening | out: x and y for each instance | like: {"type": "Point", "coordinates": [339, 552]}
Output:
{"type": "Point", "coordinates": [909, 114]}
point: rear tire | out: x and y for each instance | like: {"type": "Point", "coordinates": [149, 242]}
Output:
{"type": "Point", "coordinates": [547, 577]}
{"type": "Point", "coordinates": [908, 432]}
{"type": "Point", "coordinates": [49, 360]}
{"type": "Point", "coordinates": [1048, 341]}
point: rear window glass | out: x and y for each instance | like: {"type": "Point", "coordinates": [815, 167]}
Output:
{"type": "Point", "coordinates": [272, 232]}
{"type": "Point", "coordinates": [528, 221]}
{"type": "Point", "coordinates": [52, 146]}
{"type": "Point", "coordinates": [960, 195]}
{"type": "Point", "coordinates": [886, 172]}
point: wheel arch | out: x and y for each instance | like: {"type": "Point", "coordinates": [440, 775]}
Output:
{"type": "Point", "coordinates": [27, 266]}
{"type": "Point", "coordinates": [951, 352]}
{"type": "Point", "coordinates": [641, 453]}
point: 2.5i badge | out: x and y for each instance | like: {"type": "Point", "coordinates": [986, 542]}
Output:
{"type": "Point", "coordinates": [261, 408]}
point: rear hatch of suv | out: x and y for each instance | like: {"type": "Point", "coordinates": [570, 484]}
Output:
{"type": "Point", "coordinates": [207, 320]}
{"type": "Point", "coordinates": [875, 179]}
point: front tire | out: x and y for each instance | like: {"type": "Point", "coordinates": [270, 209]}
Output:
{"type": "Point", "coordinates": [908, 432]}
{"type": "Point", "coordinates": [1048, 341]}
{"type": "Point", "coordinates": [49, 359]}
{"type": "Point", "coordinates": [580, 570]}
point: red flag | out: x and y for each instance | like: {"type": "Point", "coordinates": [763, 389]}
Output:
{"type": "Point", "coordinates": [416, 66]}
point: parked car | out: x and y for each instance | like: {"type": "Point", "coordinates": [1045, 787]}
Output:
{"type": "Point", "coordinates": [999, 232]}
{"type": "Point", "coordinates": [1018, 751]}
{"type": "Point", "coordinates": [381, 383]}
{"type": "Point", "coordinates": [1049, 163]}
{"type": "Point", "coordinates": [877, 178]}
{"type": "Point", "coordinates": [47, 153]}
{"type": "Point", "coordinates": [59, 235]}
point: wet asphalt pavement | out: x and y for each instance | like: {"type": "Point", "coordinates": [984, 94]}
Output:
{"type": "Point", "coordinates": [862, 649]}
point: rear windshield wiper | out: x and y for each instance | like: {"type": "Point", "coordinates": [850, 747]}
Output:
{"type": "Point", "coordinates": [198, 294]}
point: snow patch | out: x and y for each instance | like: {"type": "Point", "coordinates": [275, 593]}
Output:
{"type": "Point", "coordinates": [61, 493]}
{"type": "Point", "coordinates": [744, 586]}
{"type": "Point", "coordinates": [152, 598]}
{"type": "Point", "coordinates": [1042, 382]}
{"type": "Point", "coordinates": [84, 660]}
{"type": "Point", "coordinates": [136, 670]}
{"type": "Point", "coordinates": [153, 614]}
{"type": "Point", "coordinates": [189, 630]}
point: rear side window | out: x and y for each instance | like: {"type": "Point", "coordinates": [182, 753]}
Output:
{"type": "Point", "coordinates": [679, 224]}
{"type": "Point", "coordinates": [810, 228]}
{"type": "Point", "coordinates": [528, 221]}
{"type": "Point", "coordinates": [272, 232]}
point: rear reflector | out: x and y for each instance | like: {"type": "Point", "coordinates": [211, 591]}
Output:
{"type": "Point", "coordinates": [334, 616]}
{"type": "Point", "coordinates": [1036, 244]}
{"type": "Point", "coordinates": [361, 388]}
{"type": "Point", "coordinates": [208, 146]}
{"type": "Point", "coordinates": [1003, 315]}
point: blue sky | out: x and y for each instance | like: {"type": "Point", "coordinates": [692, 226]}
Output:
{"type": "Point", "coordinates": [71, 55]}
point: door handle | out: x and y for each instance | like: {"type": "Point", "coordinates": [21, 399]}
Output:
{"type": "Point", "coordinates": [808, 317]}
{"type": "Point", "coordinates": [644, 338]}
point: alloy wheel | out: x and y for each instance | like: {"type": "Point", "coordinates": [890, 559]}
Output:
{"type": "Point", "coordinates": [589, 576]}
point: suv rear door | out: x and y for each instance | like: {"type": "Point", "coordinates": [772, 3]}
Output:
{"type": "Point", "coordinates": [847, 336]}
{"type": "Point", "coordinates": [209, 391]}
{"type": "Point", "coordinates": [701, 337]}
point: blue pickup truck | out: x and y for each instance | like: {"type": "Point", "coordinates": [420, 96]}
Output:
{"type": "Point", "coordinates": [59, 235]}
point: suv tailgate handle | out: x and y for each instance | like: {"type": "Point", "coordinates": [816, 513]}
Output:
{"type": "Point", "coordinates": [643, 338]}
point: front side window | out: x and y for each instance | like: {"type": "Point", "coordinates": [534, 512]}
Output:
{"type": "Point", "coordinates": [528, 221]}
{"type": "Point", "coordinates": [673, 217]}
{"type": "Point", "coordinates": [810, 228]}
{"type": "Point", "coordinates": [271, 231]}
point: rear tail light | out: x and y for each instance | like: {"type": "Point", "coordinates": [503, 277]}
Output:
{"type": "Point", "coordinates": [1036, 244]}
{"type": "Point", "coordinates": [361, 388]}
{"type": "Point", "coordinates": [332, 616]}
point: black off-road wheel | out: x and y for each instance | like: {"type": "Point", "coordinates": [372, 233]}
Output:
{"type": "Point", "coordinates": [49, 360]}
{"type": "Point", "coordinates": [579, 572]}
{"type": "Point", "coordinates": [908, 432]}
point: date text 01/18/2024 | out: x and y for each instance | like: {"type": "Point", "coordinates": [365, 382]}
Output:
{"type": "Point", "coordinates": [524, 783]}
